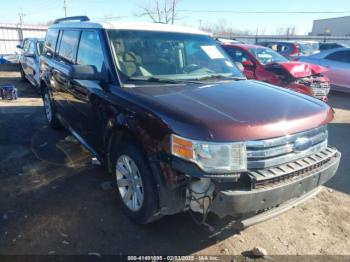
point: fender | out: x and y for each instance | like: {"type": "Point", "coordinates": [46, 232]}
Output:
{"type": "Point", "coordinates": [122, 127]}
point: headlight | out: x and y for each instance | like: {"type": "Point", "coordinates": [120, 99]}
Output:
{"type": "Point", "coordinates": [211, 157]}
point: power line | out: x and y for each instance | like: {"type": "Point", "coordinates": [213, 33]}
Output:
{"type": "Point", "coordinates": [263, 12]}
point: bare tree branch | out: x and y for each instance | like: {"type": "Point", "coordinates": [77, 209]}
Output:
{"type": "Point", "coordinates": [161, 11]}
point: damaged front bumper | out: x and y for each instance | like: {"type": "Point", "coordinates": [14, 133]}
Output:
{"type": "Point", "coordinates": [316, 86]}
{"type": "Point", "coordinates": [239, 203]}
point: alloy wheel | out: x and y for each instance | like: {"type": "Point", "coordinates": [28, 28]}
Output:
{"type": "Point", "coordinates": [129, 182]}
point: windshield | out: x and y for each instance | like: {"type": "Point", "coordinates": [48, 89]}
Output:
{"type": "Point", "coordinates": [169, 56]}
{"type": "Point", "coordinates": [266, 55]}
{"type": "Point", "coordinates": [308, 48]}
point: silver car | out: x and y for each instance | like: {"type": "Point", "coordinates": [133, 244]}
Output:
{"type": "Point", "coordinates": [29, 60]}
{"type": "Point", "coordinates": [338, 63]}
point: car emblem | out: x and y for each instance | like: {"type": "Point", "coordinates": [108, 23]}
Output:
{"type": "Point", "coordinates": [302, 143]}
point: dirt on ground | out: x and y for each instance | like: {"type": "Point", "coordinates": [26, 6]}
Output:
{"type": "Point", "coordinates": [54, 201]}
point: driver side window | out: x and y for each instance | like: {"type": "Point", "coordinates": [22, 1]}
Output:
{"type": "Point", "coordinates": [90, 51]}
{"type": "Point", "coordinates": [237, 55]}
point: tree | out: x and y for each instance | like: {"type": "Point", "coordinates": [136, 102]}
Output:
{"type": "Point", "coordinates": [161, 11]}
{"type": "Point", "coordinates": [222, 28]}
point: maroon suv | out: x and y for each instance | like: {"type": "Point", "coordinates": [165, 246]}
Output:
{"type": "Point", "coordinates": [178, 126]}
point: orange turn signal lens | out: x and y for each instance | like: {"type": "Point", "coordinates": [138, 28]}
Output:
{"type": "Point", "coordinates": [182, 147]}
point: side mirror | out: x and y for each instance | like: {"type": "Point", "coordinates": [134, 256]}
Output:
{"type": "Point", "coordinates": [19, 46]}
{"type": "Point", "coordinates": [247, 64]}
{"type": "Point", "coordinates": [27, 54]}
{"type": "Point", "coordinates": [86, 72]}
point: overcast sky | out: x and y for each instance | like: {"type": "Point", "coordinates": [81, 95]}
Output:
{"type": "Point", "coordinates": [191, 12]}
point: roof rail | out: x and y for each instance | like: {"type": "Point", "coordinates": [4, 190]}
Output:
{"type": "Point", "coordinates": [72, 18]}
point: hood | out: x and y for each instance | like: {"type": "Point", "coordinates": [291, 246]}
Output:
{"type": "Point", "coordinates": [234, 111]}
{"type": "Point", "coordinates": [297, 69]}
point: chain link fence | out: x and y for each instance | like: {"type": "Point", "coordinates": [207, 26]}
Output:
{"type": "Point", "coordinates": [11, 35]}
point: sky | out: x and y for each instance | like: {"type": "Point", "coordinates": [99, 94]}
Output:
{"type": "Point", "coordinates": [191, 12]}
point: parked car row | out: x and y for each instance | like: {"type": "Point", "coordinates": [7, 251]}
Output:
{"type": "Point", "coordinates": [293, 49]}
{"type": "Point", "coordinates": [177, 124]}
{"type": "Point", "coordinates": [264, 64]}
{"type": "Point", "coordinates": [325, 69]}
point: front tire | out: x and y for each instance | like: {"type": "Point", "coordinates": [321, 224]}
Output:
{"type": "Point", "coordinates": [135, 184]}
{"type": "Point", "coordinates": [23, 75]}
{"type": "Point", "coordinates": [50, 111]}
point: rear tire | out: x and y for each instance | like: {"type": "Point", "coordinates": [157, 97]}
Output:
{"type": "Point", "coordinates": [50, 111]}
{"type": "Point", "coordinates": [135, 185]}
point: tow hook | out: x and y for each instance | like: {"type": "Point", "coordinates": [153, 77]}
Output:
{"type": "Point", "coordinates": [199, 196]}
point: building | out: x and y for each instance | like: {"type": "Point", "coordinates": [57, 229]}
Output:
{"type": "Point", "coordinates": [338, 26]}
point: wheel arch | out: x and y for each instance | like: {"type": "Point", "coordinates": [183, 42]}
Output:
{"type": "Point", "coordinates": [115, 135]}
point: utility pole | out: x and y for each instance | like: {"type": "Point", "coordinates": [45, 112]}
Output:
{"type": "Point", "coordinates": [21, 16]}
{"type": "Point", "coordinates": [65, 8]}
{"type": "Point", "coordinates": [173, 12]}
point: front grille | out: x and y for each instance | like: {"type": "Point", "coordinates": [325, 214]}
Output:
{"type": "Point", "coordinates": [277, 151]}
{"type": "Point", "coordinates": [293, 170]}
{"type": "Point", "coordinates": [320, 89]}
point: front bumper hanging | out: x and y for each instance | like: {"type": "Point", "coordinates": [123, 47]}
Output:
{"type": "Point", "coordinates": [255, 201]}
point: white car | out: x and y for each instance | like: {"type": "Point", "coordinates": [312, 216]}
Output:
{"type": "Point", "coordinates": [338, 63]}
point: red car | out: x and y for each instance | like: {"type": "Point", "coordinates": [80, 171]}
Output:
{"type": "Point", "coordinates": [264, 64]}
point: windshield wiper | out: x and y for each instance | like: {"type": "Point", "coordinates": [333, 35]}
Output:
{"type": "Point", "coordinates": [153, 79]}
{"type": "Point", "coordinates": [221, 77]}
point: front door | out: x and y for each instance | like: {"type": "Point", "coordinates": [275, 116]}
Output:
{"type": "Point", "coordinates": [87, 96]}
{"type": "Point", "coordinates": [239, 57]}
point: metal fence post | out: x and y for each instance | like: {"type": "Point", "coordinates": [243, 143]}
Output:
{"type": "Point", "coordinates": [20, 33]}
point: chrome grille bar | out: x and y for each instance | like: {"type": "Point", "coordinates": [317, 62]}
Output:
{"type": "Point", "coordinates": [276, 151]}
{"type": "Point", "coordinates": [320, 89]}
{"type": "Point", "coordinates": [269, 162]}
{"type": "Point", "coordinates": [293, 166]}
{"type": "Point", "coordinates": [285, 139]}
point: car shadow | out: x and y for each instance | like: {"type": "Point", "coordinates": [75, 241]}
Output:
{"type": "Point", "coordinates": [339, 138]}
{"type": "Point", "coordinates": [57, 200]}
{"type": "Point", "coordinates": [52, 194]}
{"type": "Point", "coordinates": [339, 100]}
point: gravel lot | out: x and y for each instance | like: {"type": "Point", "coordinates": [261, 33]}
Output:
{"type": "Point", "coordinates": [54, 201]}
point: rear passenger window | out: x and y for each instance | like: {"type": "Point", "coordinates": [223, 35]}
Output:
{"type": "Point", "coordinates": [340, 56]}
{"type": "Point", "coordinates": [90, 50]}
{"type": "Point", "coordinates": [68, 46]}
{"type": "Point", "coordinates": [50, 42]}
